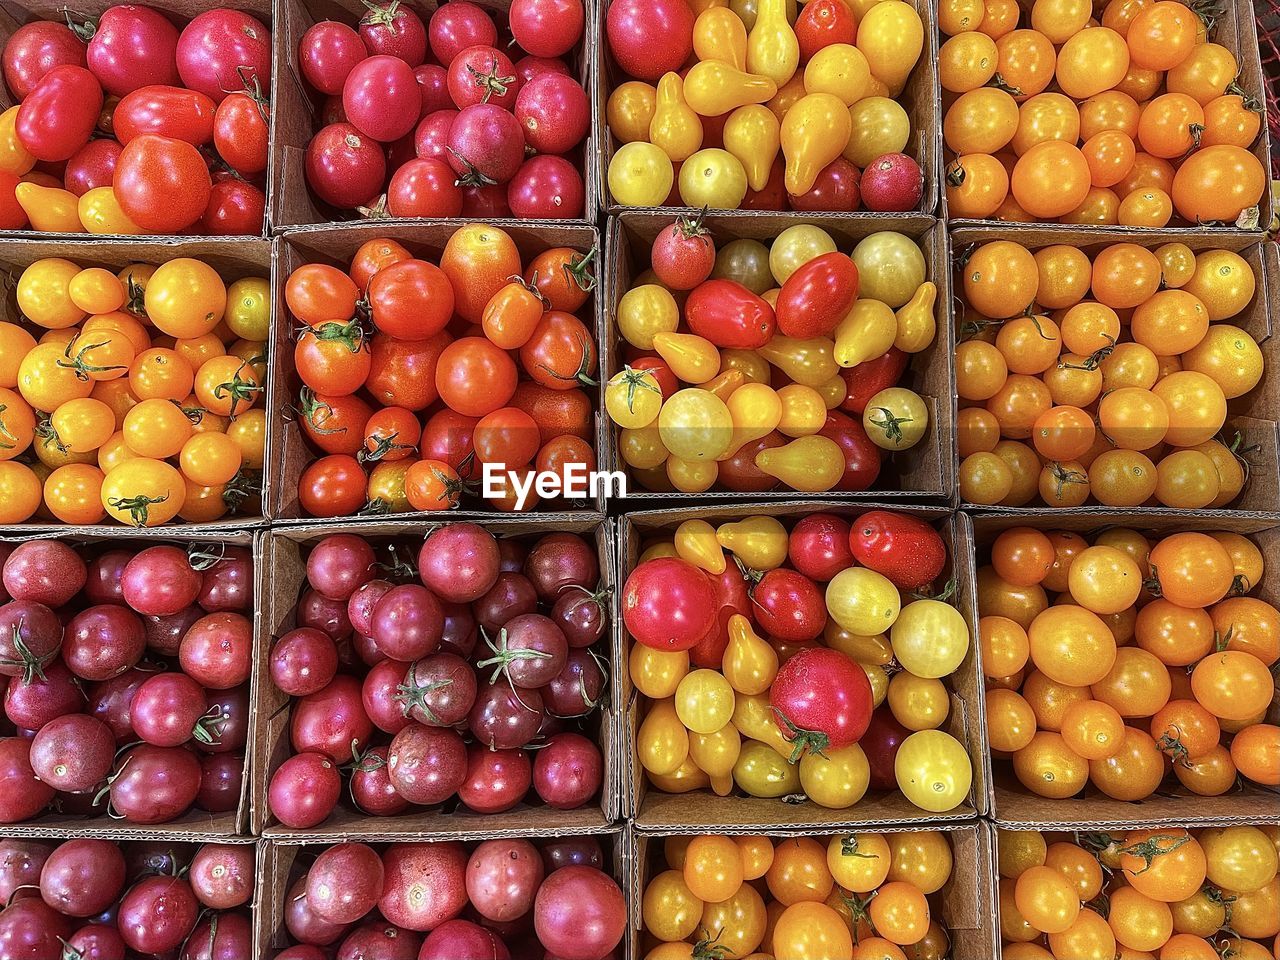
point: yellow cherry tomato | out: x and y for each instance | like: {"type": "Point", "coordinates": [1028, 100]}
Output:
{"type": "Point", "coordinates": [756, 410]}
{"type": "Point", "coordinates": [896, 419]}
{"type": "Point", "coordinates": [630, 110]}
{"type": "Point", "coordinates": [740, 919]}
{"type": "Point", "coordinates": [696, 542]}
{"type": "Point", "coordinates": [715, 754]}
{"type": "Point", "coordinates": [795, 247]}
{"type": "Point", "coordinates": [933, 770]}
{"type": "Point", "coordinates": [719, 34]}
{"type": "Point", "coordinates": [662, 741]}
{"type": "Point", "coordinates": [814, 132]}
{"type": "Point", "coordinates": [657, 673]}
{"type": "Point", "coordinates": [640, 175]}
{"type": "Point", "coordinates": [669, 909]}
{"type": "Point", "coordinates": [763, 772]}
{"type": "Point", "coordinates": [20, 492]}
{"type": "Point", "coordinates": [248, 313]}
{"type": "Point", "coordinates": [633, 398]}
{"type": "Point", "coordinates": [930, 638]}
{"type": "Point", "coordinates": [808, 362]}
{"type": "Point", "coordinates": [918, 703]}
{"type": "Point", "coordinates": [695, 425]}
{"type": "Point", "coordinates": [891, 266]}
{"type": "Point", "coordinates": [862, 601]}
{"type": "Point", "coordinates": [840, 69]}
{"type": "Point", "coordinates": [713, 178]}
{"type": "Point", "coordinates": [15, 159]}
{"type": "Point", "coordinates": [917, 327]}
{"type": "Point", "coordinates": [44, 294]}
{"type": "Point", "coordinates": [859, 862]}
{"type": "Point", "coordinates": [98, 211]}
{"type": "Point", "coordinates": [644, 311]}
{"type": "Point", "coordinates": [693, 359]}
{"type": "Point", "coordinates": [891, 35]}
{"type": "Point", "coordinates": [804, 412]}
{"type": "Point", "coordinates": [704, 701]}
{"type": "Point", "coordinates": [835, 779]}
{"type": "Point", "coordinates": [185, 298]}
{"type": "Point", "coordinates": [760, 542]}
{"type": "Point", "coordinates": [712, 867]}
{"type": "Point", "coordinates": [772, 48]}
{"type": "Point", "coordinates": [753, 716]}
{"type": "Point", "coordinates": [867, 331]}
{"type": "Point", "coordinates": [45, 380]}
{"type": "Point", "coordinates": [809, 929]}
{"type": "Point", "coordinates": [878, 126]}
{"type": "Point", "coordinates": [143, 492]}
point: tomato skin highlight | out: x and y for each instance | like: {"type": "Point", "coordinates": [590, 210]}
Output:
{"type": "Point", "coordinates": [816, 297]}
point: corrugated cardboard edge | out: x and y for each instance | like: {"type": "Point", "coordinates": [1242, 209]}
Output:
{"type": "Point", "coordinates": [196, 824]}
{"type": "Point", "coordinates": [335, 244]}
{"type": "Point", "coordinates": [930, 471]}
{"type": "Point", "coordinates": [270, 733]}
{"type": "Point", "coordinates": [966, 904]}
{"type": "Point", "coordinates": [1254, 416]}
{"type": "Point", "coordinates": [652, 810]}
{"type": "Point", "coordinates": [14, 15]}
{"type": "Point", "coordinates": [291, 204]}
{"type": "Point", "coordinates": [1012, 807]}
{"type": "Point", "coordinates": [1237, 31]}
{"type": "Point", "coordinates": [232, 257]}
{"type": "Point", "coordinates": [923, 106]}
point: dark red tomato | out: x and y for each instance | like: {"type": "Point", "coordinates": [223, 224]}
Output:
{"type": "Point", "coordinates": [433, 87]}
{"type": "Point", "coordinates": [486, 145]}
{"type": "Point", "coordinates": [431, 136]}
{"type": "Point", "coordinates": [304, 790]}
{"type": "Point", "coordinates": [381, 99]}
{"type": "Point", "coordinates": [344, 882]}
{"type": "Point", "coordinates": [404, 372]}
{"type": "Point", "coordinates": [424, 187]}
{"type": "Point", "coordinates": [669, 604]}
{"type": "Point", "coordinates": [819, 546]}
{"type": "Point", "coordinates": [334, 424]}
{"type": "Point", "coordinates": [44, 571]}
{"type": "Point", "coordinates": [457, 25]}
{"type": "Point", "coordinates": [155, 784]}
{"type": "Point", "coordinates": [867, 379]}
{"type": "Point", "coordinates": [821, 699]}
{"type": "Point", "coordinates": [425, 883]}
{"type": "Point", "coordinates": [817, 296]}
{"type": "Point", "coordinates": [836, 187]}
{"type": "Point", "coordinates": [462, 938]}
{"type": "Point", "coordinates": [331, 111]}
{"type": "Point", "coordinates": [880, 743]}
{"type": "Point", "coordinates": [166, 111]}
{"type": "Point", "coordinates": [496, 780]}
{"type": "Point", "coordinates": [29, 706]}
{"type": "Point", "coordinates": [740, 473]}
{"type": "Point", "coordinates": [427, 764]}
{"type": "Point", "coordinates": [649, 37]}
{"type": "Point", "coordinates": [241, 128]}
{"type": "Point", "coordinates": [36, 48]}
{"type": "Point", "coordinates": [903, 548]}
{"type": "Point", "coordinates": [333, 486]}
{"type": "Point", "coordinates": [394, 30]}
{"type": "Point", "coordinates": [20, 864]}
{"type": "Point", "coordinates": [31, 928]}
{"type": "Point", "coordinates": [482, 74]}
{"type": "Point", "coordinates": [554, 112]}
{"type": "Point", "coordinates": [236, 208]}
{"type": "Point", "coordinates": [774, 194]}
{"type": "Point", "coordinates": [158, 914]}
{"type": "Point", "coordinates": [327, 52]}
{"type": "Point", "coordinates": [73, 753]}
{"type": "Point", "coordinates": [371, 788]}
{"type": "Point", "coordinates": [22, 794]}
{"type": "Point", "coordinates": [345, 168]}
{"type": "Point", "coordinates": [58, 116]}
{"type": "Point", "coordinates": [217, 650]}
{"type": "Point", "coordinates": [567, 772]}
{"type": "Point", "coordinates": [822, 23]}
{"type": "Point", "coordinates": [892, 182]}
{"type": "Point", "coordinates": [729, 315]}
{"type": "Point", "coordinates": [683, 254]}
{"type": "Point", "coordinates": [788, 606]}
{"type": "Point", "coordinates": [547, 28]}
{"type": "Point", "coordinates": [96, 940]}
{"type": "Point", "coordinates": [162, 184]}
{"type": "Point", "coordinates": [304, 924]}
{"type": "Point", "coordinates": [546, 188]}
{"type": "Point", "coordinates": [528, 67]}
{"type": "Point", "coordinates": [222, 51]}
{"type": "Point", "coordinates": [331, 721]}
{"type": "Point", "coordinates": [110, 702]}
{"type": "Point", "coordinates": [83, 877]}
{"type": "Point", "coordinates": [447, 437]}
{"type": "Point", "coordinates": [862, 458]}
{"type": "Point", "coordinates": [579, 912]}
{"type": "Point", "coordinates": [410, 300]}
{"type": "Point", "coordinates": [133, 46]}
{"type": "Point", "coordinates": [93, 165]}
{"type": "Point", "coordinates": [220, 937]}
{"type": "Point", "coordinates": [12, 216]}
{"type": "Point", "coordinates": [485, 202]}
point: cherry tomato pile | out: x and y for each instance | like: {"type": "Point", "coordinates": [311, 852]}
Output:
{"type": "Point", "coordinates": [776, 111]}
{"type": "Point", "coordinates": [391, 666]}
{"type": "Point", "coordinates": [127, 679]}
{"type": "Point", "coordinates": [90, 899]}
{"type": "Point", "coordinates": [743, 364]}
{"type": "Point", "coordinates": [1134, 120]}
{"type": "Point", "coordinates": [416, 375]}
{"type": "Point", "coordinates": [142, 400]}
{"type": "Point", "coordinates": [1115, 660]}
{"type": "Point", "coordinates": [498, 898]}
{"type": "Point", "coordinates": [812, 706]}
{"type": "Point", "coordinates": [128, 124]}
{"type": "Point", "coordinates": [436, 120]}
{"type": "Point", "coordinates": [799, 897]}
{"type": "Point", "coordinates": [1196, 895]}
{"type": "Point", "coordinates": [1103, 378]}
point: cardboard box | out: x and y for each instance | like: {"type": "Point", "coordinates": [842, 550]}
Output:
{"type": "Point", "coordinates": [919, 98]}
{"type": "Point", "coordinates": [926, 472]}
{"type": "Point", "coordinates": [1253, 417]}
{"type": "Point", "coordinates": [14, 15]}
{"type": "Point", "coordinates": [283, 860]}
{"type": "Point", "coordinates": [195, 824]}
{"type": "Point", "coordinates": [1235, 28]}
{"type": "Point", "coordinates": [1015, 808]}
{"type": "Point", "coordinates": [654, 811]}
{"type": "Point", "coordinates": [298, 109]}
{"type": "Point", "coordinates": [335, 245]}
{"type": "Point", "coordinates": [284, 552]}
{"type": "Point", "coordinates": [232, 257]}
{"type": "Point", "coordinates": [965, 905]}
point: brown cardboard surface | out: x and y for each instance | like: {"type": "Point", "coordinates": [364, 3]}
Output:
{"type": "Point", "coordinates": [925, 472]}
{"type": "Point", "coordinates": [1237, 30]}
{"type": "Point", "coordinates": [1253, 416]}
{"type": "Point", "coordinates": [919, 97]}
{"type": "Point", "coordinates": [1013, 807]}
{"type": "Point", "coordinates": [15, 14]}
{"type": "Point", "coordinates": [965, 905]}
{"type": "Point", "coordinates": [654, 810]}
{"type": "Point", "coordinates": [195, 824]}
{"type": "Point", "coordinates": [233, 258]}
{"type": "Point", "coordinates": [335, 245]}
{"type": "Point", "coordinates": [283, 551]}
{"type": "Point", "coordinates": [297, 109]}
{"type": "Point", "coordinates": [282, 862]}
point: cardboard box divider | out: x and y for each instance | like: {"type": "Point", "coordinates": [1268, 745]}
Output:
{"type": "Point", "coordinates": [233, 258]}
{"type": "Point", "coordinates": [281, 863]}
{"type": "Point", "coordinates": [283, 552]}
{"type": "Point", "coordinates": [1237, 30]}
{"type": "Point", "coordinates": [919, 97]}
{"type": "Point", "coordinates": [926, 472]}
{"type": "Point", "coordinates": [195, 824]}
{"type": "Point", "coordinates": [1015, 808]}
{"type": "Point", "coordinates": [297, 109]}
{"type": "Point", "coordinates": [335, 244]}
{"type": "Point", "coordinates": [1254, 416]}
{"type": "Point", "coordinates": [965, 905]}
{"type": "Point", "coordinates": [180, 12]}
{"type": "Point", "coordinates": [661, 812]}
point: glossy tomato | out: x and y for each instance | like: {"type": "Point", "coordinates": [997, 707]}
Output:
{"type": "Point", "coordinates": [821, 700]}
{"type": "Point", "coordinates": [729, 315]}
